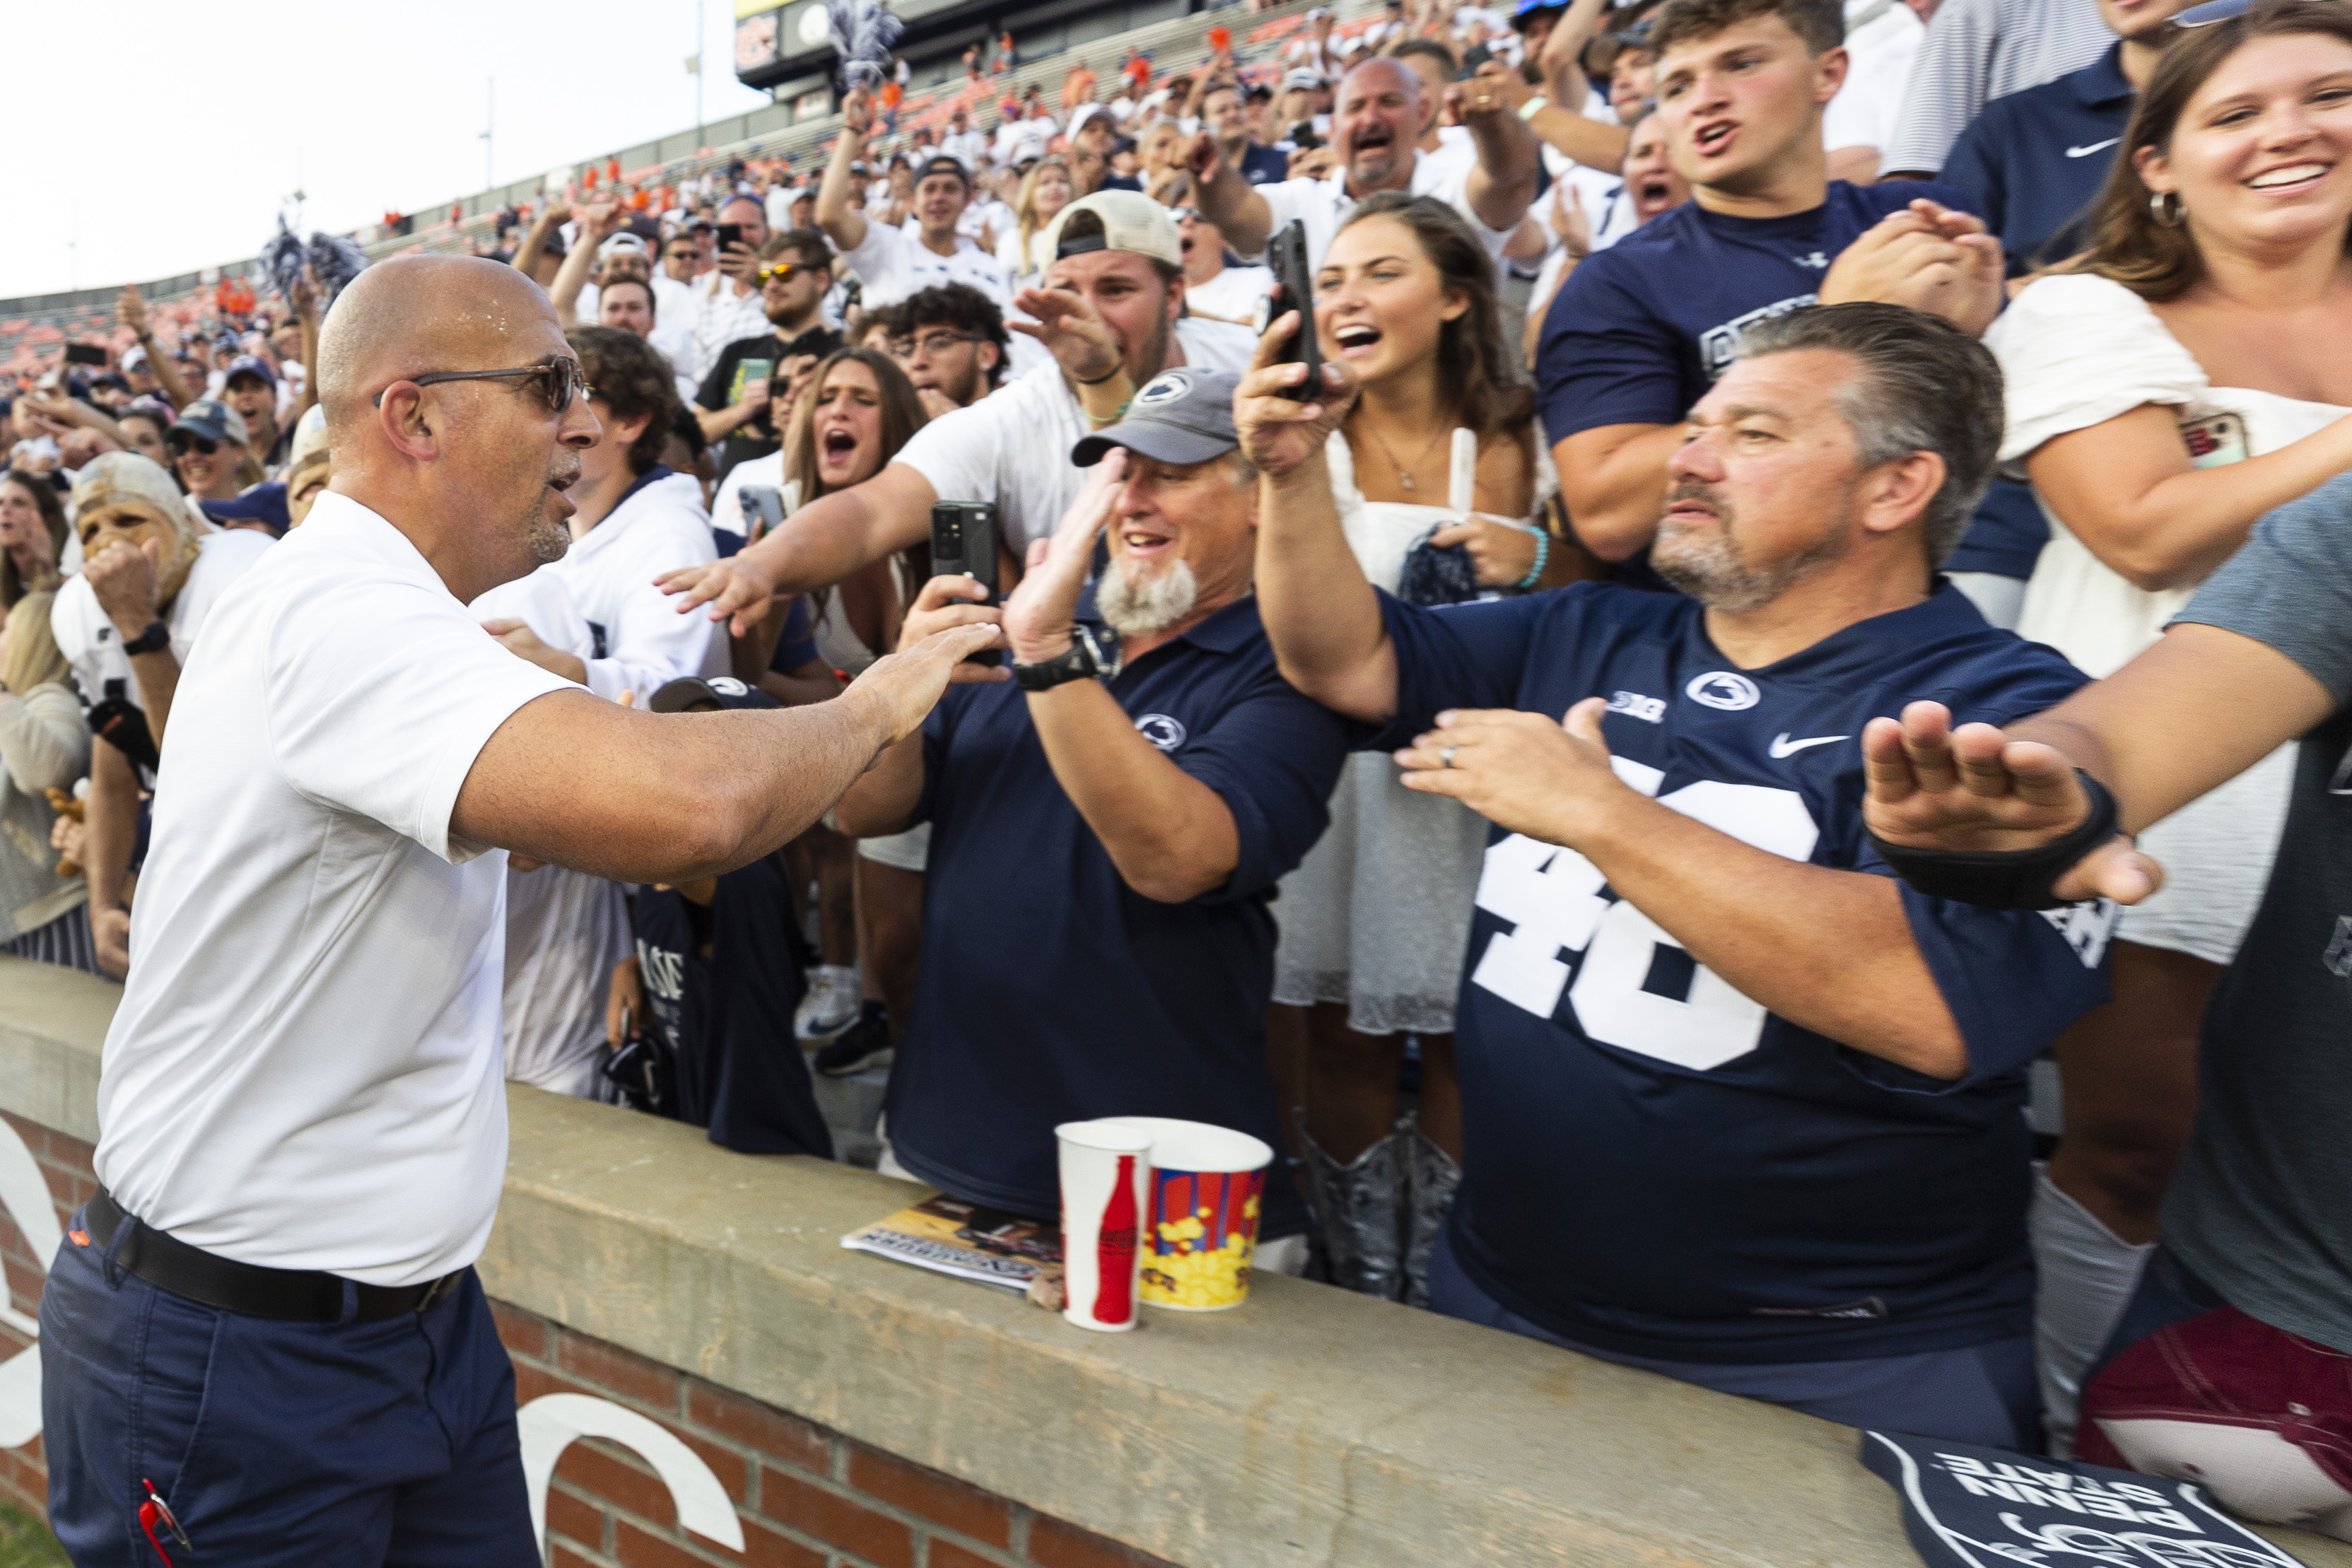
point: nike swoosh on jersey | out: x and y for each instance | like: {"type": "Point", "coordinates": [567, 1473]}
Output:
{"type": "Point", "coordinates": [2094, 147]}
{"type": "Point", "coordinates": [1782, 746]}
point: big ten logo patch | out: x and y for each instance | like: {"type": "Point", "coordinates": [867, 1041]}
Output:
{"type": "Point", "coordinates": [1632, 986]}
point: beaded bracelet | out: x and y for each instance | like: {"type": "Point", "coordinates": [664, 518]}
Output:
{"type": "Point", "coordinates": [1543, 553]}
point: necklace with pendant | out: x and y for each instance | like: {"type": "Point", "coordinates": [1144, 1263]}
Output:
{"type": "Point", "coordinates": [1404, 474]}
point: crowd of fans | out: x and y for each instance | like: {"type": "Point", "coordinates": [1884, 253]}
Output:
{"type": "Point", "coordinates": [1712, 377]}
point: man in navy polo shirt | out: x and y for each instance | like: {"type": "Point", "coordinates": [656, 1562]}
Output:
{"type": "Point", "coordinates": [1108, 825]}
{"type": "Point", "coordinates": [1699, 1141]}
{"type": "Point", "coordinates": [1641, 329]}
{"type": "Point", "coordinates": [2032, 161]}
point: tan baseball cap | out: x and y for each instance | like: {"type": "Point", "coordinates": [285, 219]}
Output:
{"type": "Point", "coordinates": [1130, 221]}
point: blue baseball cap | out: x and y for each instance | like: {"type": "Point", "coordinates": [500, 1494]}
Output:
{"type": "Point", "coordinates": [250, 364]}
{"type": "Point", "coordinates": [264, 504]}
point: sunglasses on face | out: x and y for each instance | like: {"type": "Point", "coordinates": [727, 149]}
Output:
{"type": "Point", "coordinates": [777, 271]}
{"type": "Point", "coordinates": [557, 382]}
{"type": "Point", "coordinates": [179, 445]}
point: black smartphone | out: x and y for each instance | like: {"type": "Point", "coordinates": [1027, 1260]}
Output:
{"type": "Point", "coordinates": [85, 353]}
{"type": "Point", "coordinates": [964, 543]}
{"type": "Point", "coordinates": [729, 233]}
{"type": "Point", "coordinates": [1287, 254]}
{"type": "Point", "coordinates": [1303, 137]}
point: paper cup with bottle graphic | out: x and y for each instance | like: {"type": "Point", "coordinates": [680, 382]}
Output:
{"type": "Point", "coordinates": [1105, 1174]}
{"type": "Point", "coordinates": [1200, 1229]}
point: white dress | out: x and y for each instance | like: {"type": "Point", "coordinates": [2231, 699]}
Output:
{"type": "Point", "coordinates": [2077, 351]}
{"type": "Point", "coordinates": [1378, 915]}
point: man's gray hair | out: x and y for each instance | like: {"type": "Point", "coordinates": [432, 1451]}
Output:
{"type": "Point", "coordinates": [1925, 386]}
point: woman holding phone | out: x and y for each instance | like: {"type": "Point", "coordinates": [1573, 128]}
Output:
{"type": "Point", "coordinates": [1376, 919]}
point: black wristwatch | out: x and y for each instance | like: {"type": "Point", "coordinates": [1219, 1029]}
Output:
{"type": "Point", "coordinates": [1093, 651]}
{"type": "Point", "coordinates": [154, 639]}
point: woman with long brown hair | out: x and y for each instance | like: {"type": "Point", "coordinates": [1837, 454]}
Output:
{"type": "Point", "coordinates": [33, 535]}
{"type": "Point", "coordinates": [1376, 919]}
{"type": "Point", "coordinates": [2178, 381]}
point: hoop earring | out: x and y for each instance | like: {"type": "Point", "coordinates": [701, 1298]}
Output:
{"type": "Point", "coordinates": [2164, 207]}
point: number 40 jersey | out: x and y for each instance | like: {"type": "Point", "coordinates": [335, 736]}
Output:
{"type": "Point", "coordinates": [1654, 1165]}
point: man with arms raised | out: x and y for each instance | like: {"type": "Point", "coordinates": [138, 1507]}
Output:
{"type": "Point", "coordinates": [890, 262]}
{"type": "Point", "coordinates": [1109, 314]}
{"type": "Point", "coordinates": [1639, 331]}
{"type": "Point", "coordinates": [268, 1315]}
{"type": "Point", "coordinates": [1381, 113]}
{"type": "Point", "coordinates": [1691, 986]}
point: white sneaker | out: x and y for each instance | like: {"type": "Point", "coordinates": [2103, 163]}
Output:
{"type": "Point", "coordinates": [832, 1004]}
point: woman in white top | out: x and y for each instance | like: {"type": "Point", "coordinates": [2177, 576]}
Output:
{"type": "Point", "coordinates": [1376, 919]}
{"type": "Point", "coordinates": [1044, 192]}
{"type": "Point", "coordinates": [2185, 377]}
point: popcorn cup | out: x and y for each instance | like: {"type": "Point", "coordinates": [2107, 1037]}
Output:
{"type": "Point", "coordinates": [1201, 1224]}
{"type": "Point", "coordinates": [1106, 1172]}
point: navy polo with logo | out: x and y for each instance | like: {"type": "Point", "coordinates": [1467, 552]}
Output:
{"type": "Point", "coordinates": [2032, 163]}
{"type": "Point", "coordinates": [1051, 991]}
{"type": "Point", "coordinates": [1658, 1165]}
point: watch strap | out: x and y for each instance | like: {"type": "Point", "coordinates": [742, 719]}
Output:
{"type": "Point", "coordinates": [154, 639]}
{"type": "Point", "coordinates": [1082, 660]}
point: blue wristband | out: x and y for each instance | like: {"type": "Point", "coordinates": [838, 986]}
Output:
{"type": "Point", "coordinates": [1543, 553]}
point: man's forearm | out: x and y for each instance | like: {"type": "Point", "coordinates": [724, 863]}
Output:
{"type": "Point", "coordinates": [111, 821]}
{"type": "Point", "coordinates": [1849, 969]}
{"type": "Point", "coordinates": [1172, 836]}
{"type": "Point", "coordinates": [158, 682]}
{"type": "Point", "coordinates": [1319, 608]}
{"type": "Point", "coordinates": [1589, 142]}
{"type": "Point", "coordinates": [834, 535]}
{"type": "Point", "coordinates": [1613, 480]}
{"type": "Point", "coordinates": [1232, 204]}
{"type": "Point", "coordinates": [883, 798]}
{"type": "Point", "coordinates": [166, 374]}
{"type": "Point", "coordinates": [1503, 185]}
{"type": "Point", "coordinates": [718, 424]}
{"type": "Point", "coordinates": [309, 363]}
{"type": "Point", "coordinates": [570, 279]}
{"type": "Point", "coordinates": [842, 226]}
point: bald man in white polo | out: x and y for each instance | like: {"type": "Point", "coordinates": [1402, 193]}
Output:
{"type": "Point", "coordinates": [266, 1325]}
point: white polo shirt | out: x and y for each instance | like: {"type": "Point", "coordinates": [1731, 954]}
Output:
{"type": "Point", "coordinates": [893, 264]}
{"type": "Point", "coordinates": [1013, 447]}
{"type": "Point", "coordinates": [304, 1068]}
{"type": "Point", "coordinates": [1323, 205]}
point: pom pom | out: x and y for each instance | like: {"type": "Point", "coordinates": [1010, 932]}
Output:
{"type": "Point", "coordinates": [864, 33]}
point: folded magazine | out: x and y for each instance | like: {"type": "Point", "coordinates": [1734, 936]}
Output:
{"type": "Point", "coordinates": [992, 1246]}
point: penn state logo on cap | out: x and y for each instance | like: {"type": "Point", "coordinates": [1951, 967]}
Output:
{"type": "Point", "coordinates": [1722, 688]}
{"type": "Point", "coordinates": [1168, 387]}
{"type": "Point", "coordinates": [727, 685]}
{"type": "Point", "coordinates": [1161, 730]}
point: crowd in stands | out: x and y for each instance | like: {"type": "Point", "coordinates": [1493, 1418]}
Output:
{"type": "Point", "coordinates": [1445, 766]}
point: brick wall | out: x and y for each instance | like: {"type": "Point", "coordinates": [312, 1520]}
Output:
{"type": "Point", "coordinates": [807, 1497]}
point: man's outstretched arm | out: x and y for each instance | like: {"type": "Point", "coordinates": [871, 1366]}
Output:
{"type": "Point", "coordinates": [815, 548]}
{"type": "Point", "coordinates": [2192, 713]}
{"type": "Point", "coordinates": [651, 797]}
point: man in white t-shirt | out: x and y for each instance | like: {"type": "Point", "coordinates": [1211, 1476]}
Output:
{"type": "Point", "coordinates": [890, 263]}
{"type": "Point", "coordinates": [963, 143]}
{"type": "Point", "coordinates": [1380, 115]}
{"type": "Point", "coordinates": [1110, 313]}
{"type": "Point", "coordinates": [302, 1117]}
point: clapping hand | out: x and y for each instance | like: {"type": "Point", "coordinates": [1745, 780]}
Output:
{"type": "Point", "coordinates": [1927, 256]}
{"type": "Point", "coordinates": [1935, 787]}
{"type": "Point", "coordinates": [1523, 771]}
{"type": "Point", "coordinates": [1041, 617]}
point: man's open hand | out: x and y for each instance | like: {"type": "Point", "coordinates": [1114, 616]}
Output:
{"type": "Point", "coordinates": [737, 589]}
{"type": "Point", "coordinates": [1934, 787]}
{"type": "Point", "coordinates": [1522, 771]}
{"type": "Point", "coordinates": [1072, 331]}
{"type": "Point", "coordinates": [943, 604]}
{"type": "Point", "coordinates": [517, 638]}
{"type": "Point", "coordinates": [1040, 617]}
{"type": "Point", "coordinates": [904, 687]}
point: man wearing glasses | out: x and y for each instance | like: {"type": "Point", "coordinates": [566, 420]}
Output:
{"type": "Point", "coordinates": [265, 1343]}
{"type": "Point", "coordinates": [954, 346]}
{"type": "Point", "coordinates": [734, 405]}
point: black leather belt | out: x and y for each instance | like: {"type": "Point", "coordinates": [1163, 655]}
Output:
{"type": "Point", "coordinates": [285, 1295]}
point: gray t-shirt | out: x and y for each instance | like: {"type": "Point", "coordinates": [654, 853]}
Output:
{"type": "Point", "coordinates": [2262, 1204]}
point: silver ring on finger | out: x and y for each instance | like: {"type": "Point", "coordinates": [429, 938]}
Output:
{"type": "Point", "coordinates": [1445, 755]}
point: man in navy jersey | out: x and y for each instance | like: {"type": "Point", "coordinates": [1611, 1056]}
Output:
{"type": "Point", "coordinates": [1739, 1107]}
{"type": "Point", "coordinates": [1640, 330]}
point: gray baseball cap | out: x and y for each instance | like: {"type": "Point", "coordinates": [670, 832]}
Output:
{"type": "Point", "coordinates": [1181, 417]}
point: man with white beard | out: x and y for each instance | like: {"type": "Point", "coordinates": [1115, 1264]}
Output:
{"type": "Point", "coordinates": [1125, 796]}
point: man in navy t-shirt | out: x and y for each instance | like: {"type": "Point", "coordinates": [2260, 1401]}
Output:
{"type": "Point", "coordinates": [1106, 830]}
{"type": "Point", "coordinates": [1737, 1105]}
{"type": "Point", "coordinates": [1641, 329]}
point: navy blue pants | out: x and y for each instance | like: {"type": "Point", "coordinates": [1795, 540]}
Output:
{"type": "Point", "coordinates": [388, 1443]}
{"type": "Point", "coordinates": [1978, 1394]}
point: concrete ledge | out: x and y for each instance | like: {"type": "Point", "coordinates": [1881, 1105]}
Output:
{"type": "Point", "coordinates": [1310, 1426]}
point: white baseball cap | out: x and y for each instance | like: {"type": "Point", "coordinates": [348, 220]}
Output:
{"type": "Point", "coordinates": [1130, 221]}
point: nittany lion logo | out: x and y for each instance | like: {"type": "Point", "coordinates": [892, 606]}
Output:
{"type": "Point", "coordinates": [1161, 730]}
{"type": "Point", "coordinates": [1724, 690]}
{"type": "Point", "coordinates": [1166, 387]}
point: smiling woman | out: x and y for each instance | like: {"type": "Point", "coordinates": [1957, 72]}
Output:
{"type": "Point", "coordinates": [2181, 381]}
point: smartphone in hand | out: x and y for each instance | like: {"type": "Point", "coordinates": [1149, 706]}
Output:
{"type": "Point", "coordinates": [1287, 254]}
{"type": "Point", "coordinates": [965, 543]}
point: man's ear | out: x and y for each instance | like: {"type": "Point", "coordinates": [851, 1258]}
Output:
{"type": "Point", "coordinates": [989, 356]}
{"type": "Point", "coordinates": [1829, 74]}
{"type": "Point", "coordinates": [1898, 492]}
{"type": "Point", "coordinates": [406, 423]}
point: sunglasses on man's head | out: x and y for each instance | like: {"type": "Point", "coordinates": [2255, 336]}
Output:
{"type": "Point", "coordinates": [557, 380]}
